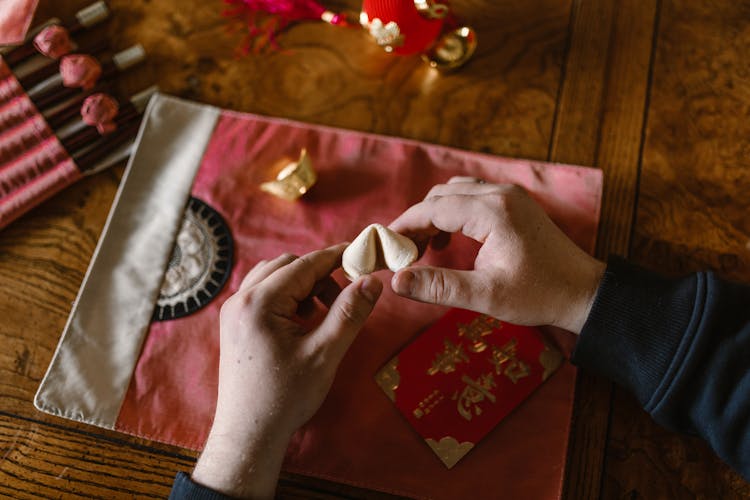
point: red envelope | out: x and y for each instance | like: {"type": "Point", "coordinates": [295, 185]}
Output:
{"type": "Point", "coordinates": [461, 377]}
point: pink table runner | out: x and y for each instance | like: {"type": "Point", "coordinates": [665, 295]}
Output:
{"type": "Point", "coordinates": [358, 437]}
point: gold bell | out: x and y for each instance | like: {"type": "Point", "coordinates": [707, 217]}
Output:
{"type": "Point", "coordinates": [452, 49]}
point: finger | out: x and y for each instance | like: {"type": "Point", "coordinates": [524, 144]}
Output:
{"type": "Point", "coordinates": [463, 188]}
{"type": "Point", "coordinates": [421, 234]}
{"type": "Point", "coordinates": [436, 285]}
{"type": "Point", "coordinates": [464, 179]}
{"type": "Point", "coordinates": [347, 316]}
{"type": "Point", "coordinates": [445, 213]}
{"type": "Point", "coordinates": [296, 279]}
{"type": "Point", "coordinates": [326, 291]}
{"type": "Point", "coordinates": [249, 279]}
{"type": "Point", "coordinates": [264, 269]}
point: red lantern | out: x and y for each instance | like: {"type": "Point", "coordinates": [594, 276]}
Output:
{"type": "Point", "coordinates": [400, 27]}
{"type": "Point", "coordinates": [418, 27]}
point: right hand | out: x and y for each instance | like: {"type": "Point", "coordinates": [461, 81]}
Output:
{"type": "Point", "coordinates": [527, 271]}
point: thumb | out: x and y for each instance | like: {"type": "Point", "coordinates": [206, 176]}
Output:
{"type": "Point", "coordinates": [436, 285]}
{"type": "Point", "coordinates": [348, 314]}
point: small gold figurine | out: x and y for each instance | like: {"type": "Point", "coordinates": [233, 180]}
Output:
{"type": "Point", "coordinates": [294, 178]}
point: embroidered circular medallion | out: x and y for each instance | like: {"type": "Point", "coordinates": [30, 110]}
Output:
{"type": "Point", "coordinates": [200, 263]}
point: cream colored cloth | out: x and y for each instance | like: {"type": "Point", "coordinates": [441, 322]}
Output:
{"type": "Point", "coordinates": [377, 247]}
{"type": "Point", "coordinates": [92, 366]}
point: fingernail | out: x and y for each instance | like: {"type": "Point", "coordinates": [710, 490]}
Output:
{"type": "Point", "coordinates": [371, 288]}
{"type": "Point", "coordinates": [403, 282]}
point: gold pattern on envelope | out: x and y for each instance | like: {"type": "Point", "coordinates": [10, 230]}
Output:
{"type": "Point", "coordinates": [449, 450]}
{"type": "Point", "coordinates": [473, 393]}
{"type": "Point", "coordinates": [550, 359]}
{"type": "Point", "coordinates": [446, 361]}
{"type": "Point", "coordinates": [428, 404]}
{"type": "Point", "coordinates": [388, 378]}
{"type": "Point", "coordinates": [480, 327]}
{"type": "Point", "coordinates": [504, 360]}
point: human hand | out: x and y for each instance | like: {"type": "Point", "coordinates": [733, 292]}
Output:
{"type": "Point", "coordinates": [527, 271]}
{"type": "Point", "coordinates": [274, 373]}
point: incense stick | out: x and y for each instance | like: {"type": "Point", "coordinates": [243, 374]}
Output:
{"type": "Point", "coordinates": [89, 159]}
{"type": "Point", "coordinates": [84, 19]}
{"type": "Point", "coordinates": [52, 90]}
{"type": "Point", "coordinates": [86, 136]}
{"type": "Point", "coordinates": [133, 107]}
{"type": "Point", "coordinates": [72, 109]}
{"type": "Point", "coordinates": [53, 67]}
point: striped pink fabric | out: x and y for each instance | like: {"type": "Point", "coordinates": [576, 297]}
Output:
{"type": "Point", "coordinates": [33, 163]}
{"type": "Point", "coordinates": [15, 17]}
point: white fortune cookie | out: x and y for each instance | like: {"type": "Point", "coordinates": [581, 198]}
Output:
{"type": "Point", "coordinates": [377, 247]}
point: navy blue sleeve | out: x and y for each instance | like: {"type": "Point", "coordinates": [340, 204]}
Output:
{"type": "Point", "coordinates": [185, 489]}
{"type": "Point", "coordinates": [682, 346]}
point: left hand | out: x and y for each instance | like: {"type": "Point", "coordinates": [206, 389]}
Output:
{"type": "Point", "coordinates": [274, 373]}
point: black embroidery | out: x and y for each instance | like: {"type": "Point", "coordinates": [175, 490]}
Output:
{"type": "Point", "coordinates": [200, 264]}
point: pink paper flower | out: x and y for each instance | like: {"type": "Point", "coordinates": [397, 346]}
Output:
{"type": "Point", "coordinates": [80, 70]}
{"type": "Point", "coordinates": [100, 110]}
{"type": "Point", "coordinates": [53, 42]}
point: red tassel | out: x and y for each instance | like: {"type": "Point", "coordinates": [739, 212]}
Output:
{"type": "Point", "coordinates": [289, 10]}
{"type": "Point", "coordinates": [267, 18]}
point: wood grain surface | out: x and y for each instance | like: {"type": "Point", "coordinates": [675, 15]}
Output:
{"type": "Point", "coordinates": [599, 122]}
{"type": "Point", "coordinates": [653, 92]}
{"type": "Point", "coordinates": [692, 214]}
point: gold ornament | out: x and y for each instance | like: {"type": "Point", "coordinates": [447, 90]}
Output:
{"type": "Point", "coordinates": [294, 178]}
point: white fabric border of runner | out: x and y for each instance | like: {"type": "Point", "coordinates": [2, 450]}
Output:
{"type": "Point", "coordinates": [91, 369]}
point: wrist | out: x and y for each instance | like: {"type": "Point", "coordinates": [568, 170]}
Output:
{"type": "Point", "coordinates": [242, 464]}
{"type": "Point", "coordinates": [581, 300]}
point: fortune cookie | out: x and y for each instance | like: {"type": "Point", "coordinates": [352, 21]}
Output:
{"type": "Point", "coordinates": [377, 247]}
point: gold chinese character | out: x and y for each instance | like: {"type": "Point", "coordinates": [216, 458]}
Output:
{"type": "Point", "coordinates": [447, 360]}
{"type": "Point", "coordinates": [481, 326]}
{"type": "Point", "coordinates": [428, 404]}
{"type": "Point", "coordinates": [501, 355]}
{"type": "Point", "coordinates": [504, 360]}
{"type": "Point", "coordinates": [474, 393]}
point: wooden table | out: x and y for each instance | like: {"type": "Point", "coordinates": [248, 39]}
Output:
{"type": "Point", "coordinates": [654, 92]}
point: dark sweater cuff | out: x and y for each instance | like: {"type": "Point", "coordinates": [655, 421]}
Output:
{"type": "Point", "coordinates": [185, 489]}
{"type": "Point", "coordinates": [635, 327]}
